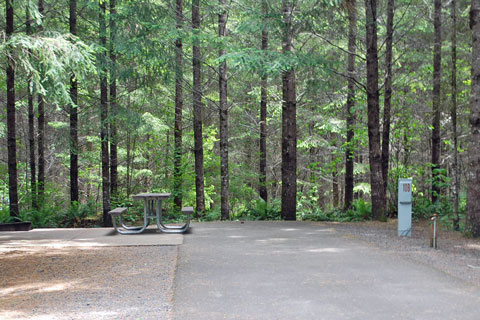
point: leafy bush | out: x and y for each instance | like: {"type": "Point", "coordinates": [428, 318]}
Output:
{"type": "Point", "coordinates": [45, 217]}
{"type": "Point", "coordinates": [212, 215]}
{"type": "Point", "coordinates": [315, 215]}
{"type": "Point", "coordinates": [76, 215]}
{"type": "Point", "coordinates": [5, 215]}
{"type": "Point", "coordinates": [361, 210]}
{"type": "Point", "coordinates": [260, 210]}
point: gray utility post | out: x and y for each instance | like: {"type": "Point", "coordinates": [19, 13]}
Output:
{"type": "Point", "coordinates": [405, 207]}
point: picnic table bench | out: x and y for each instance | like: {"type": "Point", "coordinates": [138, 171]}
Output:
{"type": "Point", "coordinates": [152, 209]}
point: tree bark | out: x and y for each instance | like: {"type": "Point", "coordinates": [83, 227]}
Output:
{"type": "Point", "coordinates": [177, 161]}
{"type": "Point", "coordinates": [473, 175]}
{"type": "Point", "coordinates": [31, 127]}
{"type": "Point", "coordinates": [289, 122]}
{"type": "Point", "coordinates": [350, 149]}
{"type": "Point", "coordinates": [335, 188]}
{"type": "Point", "coordinates": [113, 102]}
{"type": "Point", "coordinates": [41, 134]}
{"type": "Point", "coordinates": [197, 111]}
{"type": "Point", "coordinates": [73, 116]}
{"type": "Point", "coordinates": [107, 221]}
{"type": "Point", "coordinates": [262, 187]}
{"type": "Point", "coordinates": [223, 110]}
{"type": "Point", "coordinates": [437, 77]}
{"type": "Point", "coordinates": [11, 118]}
{"type": "Point", "coordinates": [456, 174]}
{"type": "Point", "coordinates": [388, 95]}
{"type": "Point", "coordinates": [376, 182]}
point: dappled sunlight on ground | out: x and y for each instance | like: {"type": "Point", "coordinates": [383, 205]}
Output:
{"type": "Point", "coordinates": [86, 282]}
{"type": "Point", "coordinates": [326, 250]}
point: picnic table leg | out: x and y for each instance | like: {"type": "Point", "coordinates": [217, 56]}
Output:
{"type": "Point", "coordinates": [169, 229]}
{"type": "Point", "coordinates": [131, 230]}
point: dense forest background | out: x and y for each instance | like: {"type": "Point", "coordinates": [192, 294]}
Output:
{"type": "Point", "coordinates": [306, 109]}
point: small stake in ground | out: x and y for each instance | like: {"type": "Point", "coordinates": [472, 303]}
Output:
{"type": "Point", "coordinates": [433, 233]}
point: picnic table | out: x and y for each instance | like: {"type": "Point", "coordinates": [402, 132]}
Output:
{"type": "Point", "coordinates": [152, 209]}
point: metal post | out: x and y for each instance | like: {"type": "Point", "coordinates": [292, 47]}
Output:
{"type": "Point", "coordinates": [433, 240]}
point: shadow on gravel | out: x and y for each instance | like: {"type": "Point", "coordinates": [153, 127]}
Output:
{"type": "Point", "coordinates": [87, 283]}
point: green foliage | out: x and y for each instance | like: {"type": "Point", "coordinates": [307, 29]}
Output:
{"type": "Point", "coordinates": [45, 217]}
{"type": "Point", "coordinates": [76, 215]}
{"type": "Point", "coordinates": [50, 59]}
{"type": "Point", "coordinates": [361, 211]}
{"type": "Point", "coordinates": [5, 215]}
{"type": "Point", "coordinates": [260, 210]}
{"type": "Point", "coordinates": [212, 215]}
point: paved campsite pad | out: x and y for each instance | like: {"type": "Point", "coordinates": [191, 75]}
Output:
{"type": "Point", "coordinates": [92, 237]}
{"type": "Point", "coordinates": [294, 270]}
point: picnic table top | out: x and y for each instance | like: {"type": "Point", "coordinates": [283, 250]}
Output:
{"type": "Point", "coordinates": [152, 196]}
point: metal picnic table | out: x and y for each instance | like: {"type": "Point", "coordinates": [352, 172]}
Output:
{"type": "Point", "coordinates": [152, 209]}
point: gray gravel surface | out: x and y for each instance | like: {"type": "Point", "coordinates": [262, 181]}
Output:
{"type": "Point", "coordinates": [87, 283]}
{"type": "Point", "coordinates": [456, 255]}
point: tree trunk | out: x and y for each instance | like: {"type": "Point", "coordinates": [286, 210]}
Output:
{"type": "Point", "coordinates": [11, 120]}
{"type": "Point", "coordinates": [222, 88]}
{"type": "Point", "coordinates": [41, 134]}
{"type": "Point", "coordinates": [376, 182]}
{"type": "Point", "coordinates": [456, 174]}
{"type": "Point", "coordinates": [437, 77]}
{"type": "Point", "coordinates": [177, 161]}
{"type": "Point", "coordinates": [73, 116]}
{"type": "Point", "coordinates": [289, 122]}
{"type": "Point", "coordinates": [107, 221]}
{"type": "Point", "coordinates": [388, 96]}
{"type": "Point", "coordinates": [350, 150]}
{"type": "Point", "coordinates": [113, 102]}
{"type": "Point", "coordinates": [262, 188]}
{"type": "Point", "coordinates": [197, 111]}
{"type": "Point", "coordinates": [473, 176]}
{"type": "Point", "coordinates": [31, 128]}
{"type": "Point", "coordinates": [335, 188]}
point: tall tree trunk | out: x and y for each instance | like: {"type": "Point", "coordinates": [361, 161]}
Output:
{"type": "Point", "coordinates": [31, 127]}
{"type": "Point", "coordinates": [335, 188]}
{"type": "Point", "coordinates": [197, 111]}
{"type": "Point", "coordinates": [456, 174]}
{"type": "Point", "coordinates": [41, 134]}
{"type": "Point", "coordinates": [11, 120]}
{"type": "Point", "coordinates": [437, 77]}
{"type": "Point", "coordinates": [473, 176]}
{"type": "Point", "coordinates": [107, 221]}
{"type": "Point", "coordinates": [262, 188]}
{"type": "Point", "coordinates": [222, 89]}
{"type": "Point", "coordinates": [289, 121]}
{"type": "Point", "coordinates": [177, 161]}
{"type": "Point", "coordinates": [350, 150]}
{"type": "Point", "coordinates": [113, 101]}
{"type": "Point", "coordinates": [388, 96]}
{"type": "Point", "coordinates": [73, 116]}
{"type": "Point", "coordinates": [376, 182]}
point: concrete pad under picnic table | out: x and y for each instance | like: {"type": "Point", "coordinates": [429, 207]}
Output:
{"type": "Point", "coordinates": [86, 237]}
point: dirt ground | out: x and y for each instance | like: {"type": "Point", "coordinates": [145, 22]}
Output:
{"type": "Point", "coordinates": [87, 283]}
